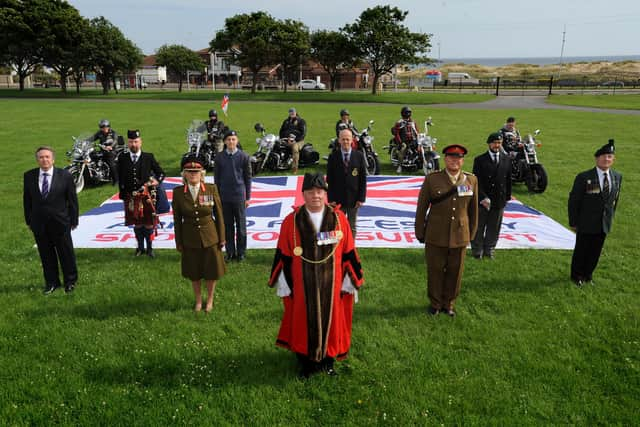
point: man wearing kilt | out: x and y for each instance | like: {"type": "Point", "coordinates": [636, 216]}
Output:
{"type": "Point", "coordinates": [139, 175]}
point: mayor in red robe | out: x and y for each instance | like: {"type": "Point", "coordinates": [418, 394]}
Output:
{"type": "Point", "coordinates": [317, 273]}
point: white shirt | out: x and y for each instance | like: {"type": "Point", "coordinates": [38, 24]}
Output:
{"type": "Point", "coordinates": [601, 175]}
{"type": "Point", "coordinates": [231, 153]}
{"type": "Point", "coordinates": [316, 219]}
{"type": "Point", "coordinates": [193, 189]}
{"type": "Point", "coordinates": [346, 153]}
{"type": "Point", "coordinates": [131, 153]}
{"type": "Point", "coordinates": [41, 178]}
{"type": "Point", "coordinates": [495, 157]}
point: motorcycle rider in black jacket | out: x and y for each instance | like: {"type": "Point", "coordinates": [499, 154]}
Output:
{"type": "Point", "coordinates": [510, 135]}
{"type": "Point", "coordinates": [108, 139]}
{"type": "Point", "coordinates": [405, 132]}
{"type": "Point", "coordinates": [215, 138]}
{"type": "Point", "coordinates": [345, 123]}
{"type": "Point", "coordinates": [296, 126]}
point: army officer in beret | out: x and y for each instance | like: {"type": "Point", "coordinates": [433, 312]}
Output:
{"type": "Point", "coordinates": [199, 230]}
{"type": "Point", "coordinates": [451, 198]}
{"type": "Point", "coordinates": [592, 205]}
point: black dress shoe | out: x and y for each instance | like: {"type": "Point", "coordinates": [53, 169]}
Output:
{"type": "Point", "coordinates": [449, 312]}
{"type": "Point", "coordinates": [241, 257]}
{"type": "Point", "coordinates": [477, 256]}
{"type": "Point", "coordinates": [229, 257]}
{"type": "Point", "coordinates": [49, 289]}
{"type": "Point", "coordinates": [432, 311]}
{"type": "Point", "coordinates": [139, 251]}
{"type": "Point", "coordinates": [68, 288]}
{"type": "Point", "coordinates": [150, 253]}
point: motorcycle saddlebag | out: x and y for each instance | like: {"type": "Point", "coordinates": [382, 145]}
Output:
{"type": "Point", "coordinates": [308, 155]}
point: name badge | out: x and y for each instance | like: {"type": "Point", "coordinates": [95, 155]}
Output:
{"type": "Point", "coordinates": [465, 190]}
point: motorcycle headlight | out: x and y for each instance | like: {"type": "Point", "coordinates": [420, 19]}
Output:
{"type": "Point", "coordinates": [367, 139]}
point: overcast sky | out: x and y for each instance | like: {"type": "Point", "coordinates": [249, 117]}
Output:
{"type": "Point", "coordinates": [460, 28]}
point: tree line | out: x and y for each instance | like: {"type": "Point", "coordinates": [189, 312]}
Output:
{"type": "Point", "coordinates": [54, 34]}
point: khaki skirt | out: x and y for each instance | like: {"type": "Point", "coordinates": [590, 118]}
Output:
{"type": "Point", "coordinates": [202, 263]}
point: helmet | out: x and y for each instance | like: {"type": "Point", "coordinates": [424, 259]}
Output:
{"type": "Point", "coordinates": [104, 123]}
{"type": "Point", "coordinates": [344, 112]}
{"type": "Point", "coordinates": [405, 112]}
{"type": "Point", "coordinates": [213, 113]}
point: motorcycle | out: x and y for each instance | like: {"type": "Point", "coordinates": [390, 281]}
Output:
{"type": "Point", "coordinates": [86, 163]}
{"type": "Point", "coordinates": [420, 155]}
{"type": "Point", "coordinates": [275, 153]}
{"type": "Point", "coordinates": [525, 166]}
{"type": "Point", "coordinates": [200, 145]}
{"type": "Point", "coordinates": [364, 142]}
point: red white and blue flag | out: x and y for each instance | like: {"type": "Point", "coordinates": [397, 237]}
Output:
{"type": "Point", "coordinates": [386, 220]}
{"type": "Point", "coordinates": [225, 103]}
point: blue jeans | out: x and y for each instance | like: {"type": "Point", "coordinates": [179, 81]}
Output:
{"type": "Point", "coordinates": [235, 227]}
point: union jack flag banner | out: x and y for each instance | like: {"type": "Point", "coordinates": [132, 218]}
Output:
{"type": "Point", "coordinates": [386, 220]}
{"type": "Point", "coordinates": [225, 103]}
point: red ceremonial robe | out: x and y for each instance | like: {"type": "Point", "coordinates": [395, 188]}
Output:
{"type": "Point", "coordinates": [317, 317]}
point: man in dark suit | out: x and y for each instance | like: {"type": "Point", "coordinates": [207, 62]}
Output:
{"type": "Point", "coordinates": [139, 172]}
{"type": "Point", "coordinates": [51, 211]}
{"type": "Point", "coordinates": [450, 196]}
{"type": "Point", "coordinates": [347, 178]}
{"type": "Point", "coordinates": [493, 170]}
{"type": "Point", "coordinates": [592, 205]}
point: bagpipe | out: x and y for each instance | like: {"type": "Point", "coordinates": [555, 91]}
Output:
{"type": "Point", "coordinates": [147, 203]}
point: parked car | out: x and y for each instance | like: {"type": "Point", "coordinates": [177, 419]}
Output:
{"type": "Point", "coordinates": [311, 84]}
{"type": "Point", "coordinates": [613, 83]}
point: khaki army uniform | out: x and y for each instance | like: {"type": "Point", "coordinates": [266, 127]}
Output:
{"type": "Point", "coordinates": [199, 229]}
{"type": "Point", "coordinates": [447, 229]}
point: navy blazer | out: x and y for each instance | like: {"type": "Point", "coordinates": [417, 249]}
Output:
{"type": "Point", "coordinates": [58, 212]}
{"type": "Point", "coordinates": [347, 185]}
{"type": "Point", "coordinates": [589, 211]}
{"type": "Point", "coordinates": [494, 181]}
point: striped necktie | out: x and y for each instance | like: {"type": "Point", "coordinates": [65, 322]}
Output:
{"type": "Point", "coordinates": [605, 185]}
{"type": "Point", "coordinates": [45, 184]}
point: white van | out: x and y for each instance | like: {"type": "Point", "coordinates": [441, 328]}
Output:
{"type": "Point", "coordinates": [462, 78]}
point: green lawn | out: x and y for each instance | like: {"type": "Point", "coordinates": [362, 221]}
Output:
{"type": "Point", "coordinates": [527, 347]}
{"type": "Point", "coordinates": [201, 94]}
{"type": "Point", "coordinates": [618, 101]}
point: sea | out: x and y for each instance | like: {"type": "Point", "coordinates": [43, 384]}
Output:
{"type": "Point", "coordinates": [496, 62]}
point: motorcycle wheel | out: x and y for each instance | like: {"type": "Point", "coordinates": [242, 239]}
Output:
{"type": "Point", "coordinates": [373, 165]}
{"type": "Point", "coordinates": [78, 178]}
{"type": "Point", "coordinates": [393, 156]}
{"type": "Point", "coordinates": [256, 167]}
{"type": "Point", "coordinates": [537, 179]}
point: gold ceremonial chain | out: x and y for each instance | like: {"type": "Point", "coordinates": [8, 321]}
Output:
{"type": "Point", "coordinates": [297, 250]}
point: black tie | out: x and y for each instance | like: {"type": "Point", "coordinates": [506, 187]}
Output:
{"type": "Point", "coordinates": [495, 158]}
{"type": "Point", "coordinates": [346, 160]}
{"type": "Point", "coordinates": [605, 185]}
{"type": "Point", "coordinates": [135, 158]}
{"type": "Point", "coordinates": [45, 184]}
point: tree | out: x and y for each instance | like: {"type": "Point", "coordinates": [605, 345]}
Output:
{"type": "Point", "coordinates": [64, 37]}
{"type": "Point", "coordinates": [384, 42]}
{"type": "Point", "coordinates": [252, 36]}
{"type": "Point", "coordinates": [334, 51]}
{"type": "Point", "coordinates": [20, 36]}
{"type": "Point", "coordinates": [179, 60]}
{"type": "Point", "coordinates": [111, 52]}
{"type": "Point", "coordinates": [81, 61]}
{"type": "Point", "coordinates": [291, 45]}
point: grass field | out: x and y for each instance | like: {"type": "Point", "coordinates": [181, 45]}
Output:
{"type": "Point", "coordinates": [527, 347]}
{"type": "Point", "coordinates": [203, 94]}
{"type": "Point", "coordinates": [622, 102]}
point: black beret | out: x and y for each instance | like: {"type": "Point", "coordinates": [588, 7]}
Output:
{"type": "Point", "coordinates": [608, 148]}
{"type": "Point", "coordinates": [312, 180]}
{"type": "Point", "coordinates": [495, 136]}
{"type": "Point", "coordinates": [133, 134]}
{"type": "Point", "coordinates": [229, 133]}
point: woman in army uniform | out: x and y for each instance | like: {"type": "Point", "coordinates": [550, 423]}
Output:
{"type": "Point", "coordinates": [199, 230]}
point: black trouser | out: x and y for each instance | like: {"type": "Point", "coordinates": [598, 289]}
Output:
{"type": "Point", "coordinates": [54, 246]}
{"type": "Point", "coordinates": [489, 222]}
{"type": "Point", "coordinates": [235, 227]}
{"type": "Point", "coordinates": [109, 158]}
{"type": "Point", "coordinates": [586, 255]}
